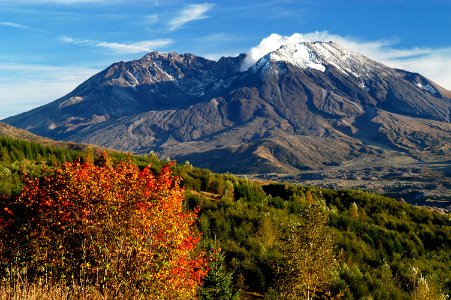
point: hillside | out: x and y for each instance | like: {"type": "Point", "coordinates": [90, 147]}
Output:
{"type": "Point", "coordinates": [378, 241]}
{"type": "Point", "coordinates": [7, 130]}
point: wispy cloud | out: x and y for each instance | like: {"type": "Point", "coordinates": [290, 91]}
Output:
{"type": "Point", "coordinates": [44, 83]}
{"type": "Point", "coordinates": [151, 19]}
{"type": "Point", "coordinates": [430, 62]}
{"type": "Point", "coordinates": [14, 25]}
{"type": "Point", "coordinates": [192, 12]}
{"type": "Point", "coordinates": [121, 48]}
{"type": "Point", "coordinates": [19, 26]}
{"type": "Point", "coordinates": [33, 2]}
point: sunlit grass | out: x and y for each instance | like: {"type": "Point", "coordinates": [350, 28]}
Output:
{"type": "Point", "coordinates": [42, 290]}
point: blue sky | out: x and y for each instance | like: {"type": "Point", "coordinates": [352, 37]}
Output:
{"type": "Point", "coordinates": [48, 47]}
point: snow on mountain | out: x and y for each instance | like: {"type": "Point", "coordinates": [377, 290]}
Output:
{"type": "Point", "coordinates": [426, 87]}
{"type": "Point", "coordinates": [320, 56]}
{"type": "Point", "coordinates": [299, 55]}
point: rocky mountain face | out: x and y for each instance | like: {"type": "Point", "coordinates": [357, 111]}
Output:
{"type": "Point", "coordinates": [302, 109]}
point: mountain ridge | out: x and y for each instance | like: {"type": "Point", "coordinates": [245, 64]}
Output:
{"type": "Point", "coordinates": [302, 108]}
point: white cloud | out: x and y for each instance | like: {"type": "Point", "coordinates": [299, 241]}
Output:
{"type": "Point", "coordinates": [191, 13]}
{"type": "Point", "coordinates": [138, 47]}
{"type": "Point", "coordinates": [70, 40]}
{"type": "Point", "coordinates": [20, 26]}
{"type": "Point", "coordinates": [14, 25]}
{"type": "Point", "coordinates": [430, 62]}
{"type": "Point", "coordinates": [121, 48]}
{"type": "Point", "coordinates": [268, 44]}
{"type": "Point", "coordinates": [24, 86]}
{"type": "Point", "coordinates": [51, 1]}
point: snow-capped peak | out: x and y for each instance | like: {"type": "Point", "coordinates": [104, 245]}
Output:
{"type": "Point", "coordinates": [298, 55]}
{"type": "Point", "coordinates": [320, 55]}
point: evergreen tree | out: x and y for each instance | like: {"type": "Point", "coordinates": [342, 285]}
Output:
{"type": "Point", "coordinates": [218, 284]}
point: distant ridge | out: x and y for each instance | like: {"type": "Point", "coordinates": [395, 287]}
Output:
{"type": "Point", "coordinates": [16, 133]}
{"type": "Point", "coordinates": [11, 131]}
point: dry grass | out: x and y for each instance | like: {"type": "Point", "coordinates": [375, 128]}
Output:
{"type": "Point", "coordinates": [43, 291]}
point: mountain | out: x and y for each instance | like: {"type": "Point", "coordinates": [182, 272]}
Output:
{"type": "Point", "coordinates": [304, 110]}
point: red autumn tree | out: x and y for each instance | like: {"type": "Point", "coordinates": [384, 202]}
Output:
{"type": "Point", "coordinates": [115, 227]}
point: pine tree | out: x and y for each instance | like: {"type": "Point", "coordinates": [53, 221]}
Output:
{"type": "Point", "coordinates": [218, 284]}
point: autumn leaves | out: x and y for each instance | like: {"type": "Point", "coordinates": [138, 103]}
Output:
{"type": "Point", "coordinates": [114, 227]}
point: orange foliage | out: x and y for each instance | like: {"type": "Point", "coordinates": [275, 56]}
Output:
{"type": "Point", "coordinates": [113, 226]}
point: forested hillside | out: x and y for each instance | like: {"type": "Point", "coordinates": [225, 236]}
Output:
{"type": "Point", "coordinates": [382, 245]}
{"type": "Point", "coordinates": [262, 239]}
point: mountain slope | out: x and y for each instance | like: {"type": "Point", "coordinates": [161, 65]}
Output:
{"type": "Point", "coordinates": [302, 107]}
